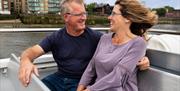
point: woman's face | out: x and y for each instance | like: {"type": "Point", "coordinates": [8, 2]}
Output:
{"type": "Point", "coordinates": [117, 21]}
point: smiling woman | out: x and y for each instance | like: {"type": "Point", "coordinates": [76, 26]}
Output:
{"type": "Point", "coordinates": [114, 64]}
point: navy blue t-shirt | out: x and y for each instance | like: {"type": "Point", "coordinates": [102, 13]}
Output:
{"type": "Point", "coordinates": [71, 53]}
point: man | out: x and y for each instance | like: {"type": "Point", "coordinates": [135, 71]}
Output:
{"type": "Point", "coordinates": [72, 48]}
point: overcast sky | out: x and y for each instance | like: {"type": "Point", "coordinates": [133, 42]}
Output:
{"type": "Point", "coordinates": [149, 3]}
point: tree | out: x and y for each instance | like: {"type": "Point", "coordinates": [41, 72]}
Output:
{"type": "Point", "coordinates": [160, 11]}
{"type": "Point", "coordinates": [168, 8]}
{"type": "Point", "coordinates": [90, 7]}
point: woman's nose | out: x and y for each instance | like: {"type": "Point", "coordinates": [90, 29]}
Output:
{"type": "Point", "coordinates": [109, 17]}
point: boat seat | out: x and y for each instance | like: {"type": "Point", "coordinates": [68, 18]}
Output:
{"type": "Point", "coordinates": [156, 79]}
{"type": "Point", "coordinates": [9, 78]}
{"type": "Point", "coordinates": [165, 42]}
{"type": "Point", "coordinates": [164, 74]}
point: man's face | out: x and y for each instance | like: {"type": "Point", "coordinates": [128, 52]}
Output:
{"type": "Point", "coordinates": [76, 18]}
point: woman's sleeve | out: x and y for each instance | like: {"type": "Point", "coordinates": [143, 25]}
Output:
{"type": "Point", "coordinates": [121, 71]}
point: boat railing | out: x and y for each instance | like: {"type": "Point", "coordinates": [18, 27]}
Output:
{"type": "Point", "coordinates": [101, 29]}
{"type": "Point", "coordinates": [9, 77]}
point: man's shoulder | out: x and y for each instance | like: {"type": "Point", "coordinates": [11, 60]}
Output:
{"type": "Point", "coordinates": [58, 32]}
{"type": "Point", "coordinates": [61, 30]}
{"type": "Point", "coordinates": [93, 32]}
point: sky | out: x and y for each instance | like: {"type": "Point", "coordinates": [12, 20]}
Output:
{"type": "Point", "coordinates": [149, 3]}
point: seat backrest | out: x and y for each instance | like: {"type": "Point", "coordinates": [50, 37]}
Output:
{"type": "Point", "coordinates": [164, 74]}
{"type": "Point", "coordinates": [156, 79]}
{"type": "Point", "coordinates": [165, 42]}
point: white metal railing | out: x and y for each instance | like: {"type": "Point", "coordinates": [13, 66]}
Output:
{"type": "Point", "coordinates": [103, 29]}
{"type": "Point", "coordinates": [163, 31]}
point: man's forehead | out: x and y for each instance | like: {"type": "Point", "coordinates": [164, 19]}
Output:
{"type": "Point", "coordinates": [77, 7]}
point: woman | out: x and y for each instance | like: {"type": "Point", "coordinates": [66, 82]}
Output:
{"type": "Point", "coordinates": [113, 66]}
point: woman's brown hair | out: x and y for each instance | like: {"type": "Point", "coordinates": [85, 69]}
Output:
{"type": "Point", "coordinates": [141, 17]}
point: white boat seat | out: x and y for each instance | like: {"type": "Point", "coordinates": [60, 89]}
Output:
{"type": "Point", "coordinates": [165, 42]}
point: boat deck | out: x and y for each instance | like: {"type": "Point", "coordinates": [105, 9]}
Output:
{"type": "Point", "coordinates": [163, 75]}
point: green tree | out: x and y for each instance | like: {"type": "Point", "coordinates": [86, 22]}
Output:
{"type": "Point", "coordinates": [169, 8]}
{"type": "Point", "coordinates": [90, 7]}
{"type": "Point", "coordinates": [160, 11]}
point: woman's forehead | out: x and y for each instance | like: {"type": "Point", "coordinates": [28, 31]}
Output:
{"type": "Point", "coordinates": [116, 8]}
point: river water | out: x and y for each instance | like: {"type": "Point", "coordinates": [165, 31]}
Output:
{"type": "Point", "coordinates": [16, 42]}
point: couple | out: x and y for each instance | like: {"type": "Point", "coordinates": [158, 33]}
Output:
{"type": "Point", "coordinates": [111, 66]}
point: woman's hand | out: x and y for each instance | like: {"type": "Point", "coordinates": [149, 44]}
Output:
{"type": "Point", "coordinates": [81, 88]}
{"type": "Point", "coordinates": [144, 63]}
{"type": "Point", "coordinates": [86, 90]}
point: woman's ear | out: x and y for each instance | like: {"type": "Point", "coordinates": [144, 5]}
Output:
{"type": "Point", "coordinates": [126, 20]}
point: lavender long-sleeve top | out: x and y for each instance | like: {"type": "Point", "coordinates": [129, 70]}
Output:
{"type": "Point", "coordinates": [114, 66]}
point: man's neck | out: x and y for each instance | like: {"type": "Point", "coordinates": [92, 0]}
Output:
{"type": "Point", "coordinates": [74, 32]}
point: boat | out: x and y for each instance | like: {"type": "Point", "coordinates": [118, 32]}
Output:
{"type": "Point", "coordinates": [9, 77]}
{"type": "Point", "coordinates": [163, 74]}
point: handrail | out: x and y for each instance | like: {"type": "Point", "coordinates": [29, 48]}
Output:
{"type": "Point", "coordinates": [163, 31]}
{"type": "Point", "coordinates": [41, 29]}
{"type": "Point", "coordinates": [104, 29]}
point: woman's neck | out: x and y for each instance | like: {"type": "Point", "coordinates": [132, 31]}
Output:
{"type": "Point", "coordinates": [122, 37]}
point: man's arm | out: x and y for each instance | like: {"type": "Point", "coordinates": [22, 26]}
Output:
{"type": "Point", "coordinates": [144, 63]}
{"type": "Point", "coordinates": [26, 65]}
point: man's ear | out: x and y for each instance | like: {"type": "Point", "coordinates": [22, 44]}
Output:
{"type": "Point", "coordinates": [66, 17]}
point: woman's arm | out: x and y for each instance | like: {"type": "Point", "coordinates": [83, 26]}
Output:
{"type": "Point", "coordinates": [120, 73]}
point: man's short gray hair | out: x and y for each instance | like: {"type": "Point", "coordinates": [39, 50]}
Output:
{"type": "Point", "coordinates": [64, 5]}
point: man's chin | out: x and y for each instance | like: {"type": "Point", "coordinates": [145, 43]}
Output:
{"type": "Point", "coordinates": [111, 29]}
{"type": "Point", "coordinates": [83, 27]}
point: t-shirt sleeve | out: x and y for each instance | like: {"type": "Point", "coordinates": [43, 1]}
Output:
{"type": "Point", "coordinates": [121, 72]}
{"type": "Point", "coordinates": [47, 43]}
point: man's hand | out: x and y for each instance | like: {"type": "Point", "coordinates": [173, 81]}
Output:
{"type": "Point", "coordinates": [144, 63]}
{"type": "Point", "coordinates": [25, 71]}
{"type": "Point", "coordinates": [26, 66]}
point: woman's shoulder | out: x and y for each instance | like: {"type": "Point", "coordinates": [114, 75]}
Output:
{"type": "Point", "coordinates": [107, 36]}
{"type": "Point", "coordinates": [139, 41]}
